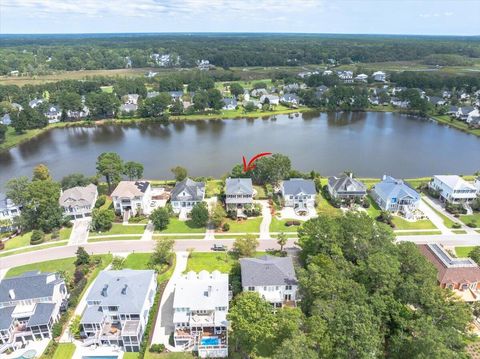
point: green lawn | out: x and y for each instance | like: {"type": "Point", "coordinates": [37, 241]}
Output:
{"type": "Point", "coordinates": [137, 260]}
{"type": "Point", "coordinates": [107, 89]}
{"type": "Point", "coordinates": [459, 231]}
{"type": "Point", "coordinates": [417, 233]}
{"type": "Point", "coordinates": [325, 207]}
{"type": "Point", "coordinates": [118, 228]}
{"type": "Point", "coordinates": [103, 239]}
{"type": "Point", "coordinates": [131, 355]}
{"type": "Point", "coordinates": [401, 223]}
{"type": "Point", "coordinates": [34, 248]}
{"type": "Point", "coordinates": [261, 194]}
{"type": "Point", "coordinates": [65, 264]}
{"type": "Point", "coordinates": [462, 252]}
{"type": "Point", "coordinates": [213, 188]}
{"type": "Point", "coordinates": [64, 233]}
{"type": "Point", "coordinates": [65, 351]}
{"type": "Point", "coordinates": [446, 221]}
{"type": "Point", "coordinates": [178, 226]}
{"type": "Point", "coordinates": [149, 355]}
{"type": "Point", "coordinates": [278, 225]}
{"type": "Point", "coordinates": [24, 239]}
{"type": "Point", "coordinates": [373, 211]}
{"type": "Point", "coordinates": [471, 218]}
{"type": "Point", "coordinates": [247, 226]}
{"type": "Point", "coordinates": [222, 261]}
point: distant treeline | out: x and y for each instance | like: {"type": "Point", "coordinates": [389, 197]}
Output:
{"type": "Point", "coordinates": [37, 55]}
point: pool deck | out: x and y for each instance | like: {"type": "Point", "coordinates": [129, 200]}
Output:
{"type": "Point", "coordinates": [39, 346]}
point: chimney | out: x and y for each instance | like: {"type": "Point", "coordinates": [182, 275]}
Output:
{"type": "Point", "coordinates": [124, 289]}
{"type": "Point", "coordinates": [11, 293]}
{"type": "Point", "coordinates": [104, 290]}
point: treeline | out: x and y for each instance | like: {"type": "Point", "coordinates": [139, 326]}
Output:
{"type": "Point", "coordinates": [38, 55]}
{"type": "Point", "coordinates": [435, 81]}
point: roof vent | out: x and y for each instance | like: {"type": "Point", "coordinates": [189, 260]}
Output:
{"type": "Point", "coordinates": [50, 278]}
{"type": "Point", "coordinates": [124, 289]}
{"type": "Point", "coordinates": [11, 293]}
{"type": "Point", "coordinates": [104, 290]}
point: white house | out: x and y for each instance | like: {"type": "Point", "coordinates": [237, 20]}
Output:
{"type": "Point", "coordinates": [472, 115]}
{"type": "Point", "coordinates": [327, 73]}
{"type": "Point", "coordinates": [272, 99]}
{"type": "Point", "coordinates": [477, 185]}
{"type": "Point", "coordinates": [361, 78]}
{"type": "Point", "coordinates": [30, 305]}
{"type": "Point", "coordinates": [395, 101]}
{"type": "Point", "coordinates": [379, 76]}
{"type": "Point", "coordinates": [35, 102]}
{"type": "Point", "coordinates": [453, 189]}
{"type": "Point", "coordinates": [238, 192]}
{"type": "Point", "coordinates": [187, 194]}
{"type": "Point", "coordinates": [299, 194]}
{"type": "Point", "coordinates": [132, 197]}
{"type": "Point", "coordinates": [53, 114]}
{"type": "Point", "coordinates": [273, 278]}
{"type": "Point", "coordinates": [290, 98]}
{"type": "Point", "coordinates": [464, 112]}
{"type": "Point", "coordinates": [117, 308]}
{"type": "Point", "coordinates": [8, 212]}
{"type": "Point", "coordinates": [345, 76]}
{"type": "Point", "coordinates": [200, 307]}
{"type": "Point", "coordinates": [78, 202]}
{"type": "Point", "coordinates": [229, 103]}
{"type": "Point", "coordinates": [394, 195]}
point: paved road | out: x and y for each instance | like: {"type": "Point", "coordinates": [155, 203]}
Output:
{"type": "Point", "coordinates": [200, 245]}
{"type": "Point", "coordinates": [446, 239]}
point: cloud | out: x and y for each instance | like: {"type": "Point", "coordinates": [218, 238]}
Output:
{"type": "Point", "coordinates": [436, 14]}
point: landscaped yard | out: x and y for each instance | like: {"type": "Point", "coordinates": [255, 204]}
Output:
{"type": "Point", "coordinates": [261, 194]}
{"type": "Point", "coordinates": [213, 188]}
{"type": "Point", "coordinates": [65, 264]}
{"type": "Point", "coordinates": [373, 211]}
{"type": "Point", "coordinates": [34, 248]}
{"type": "Point", "coordinates": [401, 223]}
{"type": "Point", "coordinates": [325, 207]}
{"type": "Point", "coordinates": [221, 261]}
{"type": "Point", "coordinates": [118, 228]}
{"type": "Point", "coordinates": [250, 225]}
{"type": "Point", "coordinates": [463, 251]}
{"type": "Point", "coordinates": [137, 260]}
{"type": "Point", "coordinates": [24, 239]}
{"type": "Point", "coordinates": [178, 226]}
{"type": "Point", "coordinates": [278, 225]}
{"type": "Point", "coordinates": [446, 221]}
{"type": "Point", "coordinates": [471, 218]}
{"type": "Point", "coordinates": [65, 351]}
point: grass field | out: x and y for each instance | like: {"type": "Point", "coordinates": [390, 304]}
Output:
{"type": "Point", "coordinates": [278, 225]}
{"type": "Point", "coordinates": [373, 211]}
{"type": "Point", "coordinates": [35, 248]}
{"type": "Point", "coordinates": [463, 251]}
{"type": "Point", "coordinates": [401, 223]}
{"type": "Point", "coordinates": [65, 264]}
{"type": "Point", "coordinates": [222, 261]}
{"type": "Point", "coordinates": [325, 207]}
{"type": "Point", "coordinates": [103, 239]}
{"type": "Point", "coordinates": [213, 188]}
{"type": "Point", "coordinates": [64, 351]}
{"type": "Point", "coordinates": [24, 239]}
{"type": "Point", "coordinates": [137, 261]}
{"type": "Point", "coordinates": [471, 218]}
{"type": "Point", "coordinates": [118, 228]}
{"type": "Point", "coordinates": [417, 233]}
{"type": "Point", "coordinates": [178, 226]}
{"type": "Point", "coordinates": [251, 225]}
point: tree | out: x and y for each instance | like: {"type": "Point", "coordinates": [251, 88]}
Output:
{"type": "Point", "coordinates": [271, 169]}
{"type": "Point", "coordinates": [282, 240]}
{"type": "Point", "coordinates": [133, 170]}
{"type": "Point", "coordinates": [296, 347]}
{"type": "Point", "coordinates": [110, 165]}
{"type": "Point", "coordinates": [249, 107]}
{"type": "Point", "coordinates": [41, 173]}
{"type": "Point", "coordinates": [74, 327]}
{"type": "Point", "coordinates": [69, 101]}
{"type": "Point", "coordinates": [180, 173]}
{"type": "Point", "coordinates": [475, 254]}
{"type": "Point", "coordinates": [177, 108]}
{"type": "Point", "coordinates": [218, 215]}
{"type": "Point", "coordinates": [160, 218]}
{"type": "Point", "coordinates": [236, 89]}
{"type": "Point", "coordinates": [246, 246]}
{"type": "Point", "coordinates": [83, 258]}
{"type": "Point", "coordinates": [200, 100]}
{"type": "Point", "coordinates": [75, 180]}
{"type": "Point", "coordinates": [102, 104]}
{"type": "Point", "coordinates": [118, 263]}
{"type": "Point", "coordinates": [163, 251]}
{"type": "Point", "coordinates": [155, 106]}
{"type": "Point", "coordinates": [199, 214]}
{"type": "Point", "coordinates": [215, 99]}
{"type": "Point", "coordinates": [102, 219]}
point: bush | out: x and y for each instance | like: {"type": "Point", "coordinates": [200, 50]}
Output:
{"type": "Point", "coordinates": [456, 225]}
{"type": "Point", "coordinates": [37, 237]}
{"type": "Point", "coordinates": [472, 224]}
{"type": "Point", "coordinates": [199, 214]}
{"type": "Point", "coordinates": [55, 234]}
{"type": "Point", "coordinates": [102, 219]}
{"type": "Point", "coordinates": [137, 219]}
{"type": "Point", "coordinates": [232, 214]}
{"type": "Point", "coordinates": [160, 218]}
{"type": "Point", "coordinates": [254, 210]}
{"type": "Point", "coordinates": [57, 329]}
{"type": "Point", "coordinates": [157, 348]}
{"type": "Point", "coordinates": [100, 201]}
{"type": "Point", "coordinates": [225, 227]}
{"type": "Point", "coordinates": [366, 203]}
{"type": "Point", "coordinates": [292, 223]}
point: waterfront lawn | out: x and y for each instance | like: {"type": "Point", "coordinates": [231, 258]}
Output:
{"type": "Point", "coordinates": [374, 210]}
{"type": "Point", "coordinates": [475, 217]}
{"type": "Point", "coordinates": [250, 225]}
{"type": "Point", "coordinates": [463, 252]}
{"type": "Point", "coordinates": [401, 223]}
{"type": "Point", "coordinates": [221, 261]}
{"type": "Point", "coordinates": [325, 207]}
{"type": "Point", "coordinates": [178, 226]}
{"type": "Point", "coordinates": [278, 225]}
{"type": "Point", "coordinates": [447, 120]}
{"type": "Point", "coordinates": [261, 194]}
{"type": "Point", "coordinates": [64, 264]}
{"type": "Point", "coordinates": [65, 351]}
{"type": "Point", "coordinates": [118, 228]}
{"type": "Point", "coordinates": [213, 188]}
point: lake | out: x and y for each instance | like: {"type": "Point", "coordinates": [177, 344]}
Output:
{"type": "Point", "coordinates": [369, 144]}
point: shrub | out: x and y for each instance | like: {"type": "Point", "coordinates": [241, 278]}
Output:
{"type": "Point", "coordinates": [100, 201]}
{"type": "Point", "coordinates": [157, 348]}
{"type": "Point", "coordinates": [472, 224]}
{"type": "Point", "coordinates": [37, 237]}
{"type": "Point", "coordinates": [160, 218]}
{"type": "Point", "coordinates": [232, 214]}
{"type": "Point", "coordinates": [366, 203]}
{"type": "Point", "coordinates": [55, 234]}
{"type": "Point", "coordinates": [137, 219]}
{"type": "Point", "coordinates": [199, 215]}
{"type": "Point", "coordinates": [102, 219]}
{"type": "Point", "coordinates": [292, 223]}
{"type": "Point", "coordinates": [57, 329]}
{"type": "Point", "coordinates": [226, 227]}
{"type": "Point", "coordinates": [456, 225]}
{"type": "Point", "coordinates": [78, 275]}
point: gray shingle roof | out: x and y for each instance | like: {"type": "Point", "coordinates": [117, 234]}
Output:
{"type": "Point", "coordinates": [42, 315]}
{"type": "Point", "coordinates": [394, 188]}
{"type": "Point", "coordinates": [29, 285]}
{"type": "Point", "coordinates": [238, 186]}
{"type": "Point", "coordinates": [78, 196]}
{"type": "Point", "coordinates": [92, 314]}
{"type": "Point", "coordinates": [346, 183]}
{"type": "Point", "coordinates": [6, 317]}
{"type": "Point", "coordinates": [267, 270]}
{"type": "Point", "coordinates": [195, 190]}
{"type": "Point", "coordinates": [295, 186]}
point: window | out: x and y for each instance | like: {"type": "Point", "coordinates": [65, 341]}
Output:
{"type": "Point", "coordinates": [288, 287]}
{"type": "Point", "coordinates": [251, 289]}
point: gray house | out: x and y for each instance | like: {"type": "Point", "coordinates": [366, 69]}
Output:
{"type": "Point", "coordinates": [30, 305]}
{"type": "Point", "coordinates": [346, 187]}
{"type": "Point", "coordinates": [299, 193]}
{"type": "Point", "coordinates": [273, 278]}
{"type": "Point", "coordinates": [187, 194]}
{"type": "Point", "coordinates": [78, 202]}
{"type": "Point", "coordinates": [117, 308]}
{"type": "Point", "coordinates": [238, 192]}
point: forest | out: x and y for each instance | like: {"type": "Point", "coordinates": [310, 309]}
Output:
{"type": "Point", "coordinates": [41, 54]}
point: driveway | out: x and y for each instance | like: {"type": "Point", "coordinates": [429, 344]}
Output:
{"type": "Point", "coordinates": [289, 213]}
{"type": "Point", "coordinates": [434, 217]}
{"type": "Point", "coordinates": [164, 324]}
{"type": "Point", "coordinates": [80, 231]}
{"type": "Point", "coordinates": [266, 219]}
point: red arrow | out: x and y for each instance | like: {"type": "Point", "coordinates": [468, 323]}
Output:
{"type": "Point", "coordinates": [251, 165]}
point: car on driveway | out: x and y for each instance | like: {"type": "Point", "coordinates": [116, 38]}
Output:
{"type": "Point", "coordinates": [219, 247]}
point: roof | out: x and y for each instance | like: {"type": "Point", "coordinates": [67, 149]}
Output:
{"type": "Point", "coordinates": [195, 191]}
{"type": "Point", "coordinates": [6, 317]}
{"type": "Point", "coordinates": [176, 94]}
{"type": "Point", "coordinates": [152, 94]}
{"type": "Point", "coordinates": [290, 97]}
{"type": "Point", "coordinates": [345, 183]}
{"type": "Point", "coordinates": [92, 314]}
{"type": "Point", "coordinates": [43, 313]}
{"type": "Point", "coordinates": [466, 109]}
{"type": "Point", "coordinates": [130, 189]}
{"type": "Point", "coordinates": [296, 186]}
{"type": "Point", "coordinates": [202, 291]}
{"type": "Point", "coordinates": [127, 107]}
{"type": "Point", "coordinates": [5, 202]}
{"type": "Point", "coordinates": [454, 182]}
{"type": "Point", "coordinates": [267, 270]}
{"type": "Point", "coordinates": [125, 288]}
{"type": "Point", "coordinates": [229, 101]}
{"type": "Point", "coordinates": [29, 285]}
{"type": "Point", "coordinates": [238, 186]}
{"type": "Point", "coordinates": [450, 270]}
{"type": "Point", "coordinates": [394, 188]}
{"type": "Point", "coordinates": [78, 196]}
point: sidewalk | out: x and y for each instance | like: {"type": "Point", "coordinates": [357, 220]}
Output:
{"type": "Point", "coordinates": [266, 219]}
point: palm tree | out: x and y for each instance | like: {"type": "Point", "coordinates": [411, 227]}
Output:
{"type": "Point", "coordinates": [282, 240]}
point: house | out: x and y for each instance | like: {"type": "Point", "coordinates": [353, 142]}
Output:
{"type": "Point", "coordinates": [78, 202]}
{"type": "Point", "coordinates": [6, 120]}
{"type": "Point", "coordinates": [346, 187]}
{"type": "Point", "coordinates": [34, 103]}
{"type": "Point", "coordinates": [271, 99]}
{"type": "Point", "coordinates": [8, 212]}
{"type": "Point", "coordinates": [446, 94]}
{"type": "Point", "coordinates": [472, 115]}
{"type": "Point", "coordinates": [53, 114]}
{"type": "Point", "coordinates": [14, 73]}
{"type": "Point", "coordinates": [397, 90]}
{"type": "Point", "coordinates": [76, 115]}
{"type": "Point", "coordinates": [374, 100]}
{"type": "Point", "coordinates": [131, 99]}
{"type": "Point", "coordinates": [395, 101]}
{"type": "Point", "coordinates": [258, 92]}
{"type": "Point", "coordinates": [290, 98]}
{"type": "Point", "coordinates": [187, 194]}
{"type": "Point", "coordinates": [229, 103]}
{"type": "Point", "coordinates": [128, 107]}
{"type": "Point", "coordinates": [30, 304]}
{"type": "Point", "coordinates": [421, 93]}
{"type": "Point", "coordinates": [200, 307]}
{"type": "Point", "coordinates": [437, 101]}
{"type": "Point", "coordinates": [461, 275]}
{"type": "Point", "coordinates": [152, 94]}
{"type": "Point", "coordinates": [453, 189]}
{"type": "Point", "coordinates": [204, 65]}
{"type": "Point", "coordinates": [361, 78]}
{"type": "Point", "coordinates": [273, 278]}
{"type": "Point", "coordinates": [452, 111]}
{"type": "Point", "coordinates": [345, 76]}
{"type": "Point", "coordinates": [294, 87]}
{"type": "Point", "coordinates": [463, 96]}
{"type": "Point", "coordinates": [474, 122]}
{"type": "Point", "coordinates": [132, 197]}
{"type": "Point", "coordinates": [463, 112]}
{"type": "Point", "coordinates": [327, 73]}
{"type": "Point", "coordinates": [377, 91]}
{"type": "Point", "coordinates": [396, 196]}
{"type": "Point", "coordinates": [477, 185]}
{"type": "Point", "coordinates": [176, 95]}
{"type": "Point", "coordinates": [299, 194]}
{"type": "Point", "coordinates": [379, 76]}
{"type": "Point", "coordinates": [238, 192]}
{"type": "Point", "coordinates": [117, 309]}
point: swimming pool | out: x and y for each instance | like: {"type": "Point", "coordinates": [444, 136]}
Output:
{"type": "Point", "coordinates": [28, 354]}
{"type": "Point", "coordinates": [210, 341]}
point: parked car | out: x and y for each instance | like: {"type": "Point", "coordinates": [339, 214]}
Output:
{"type": "Point", "coordinates": [219, 247]}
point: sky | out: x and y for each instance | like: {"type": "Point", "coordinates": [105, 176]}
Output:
{"type": "Point", "coordinates": [427, 17]}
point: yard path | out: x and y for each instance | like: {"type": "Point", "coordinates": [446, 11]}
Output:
{"type": "Point", "coordinates": [80, 231]}
{"type": "Point", "coordinates": [164, 324]}
{"type": "Point", "coordinates": [266, 219]}
{"type": "Point", "coordinates": [434, 217]}
{"type": "Point", "coordinates": [147, 235]}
